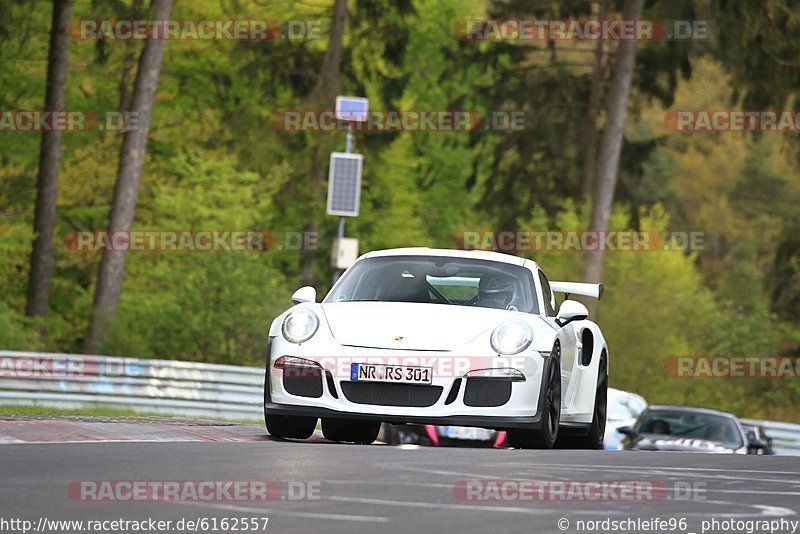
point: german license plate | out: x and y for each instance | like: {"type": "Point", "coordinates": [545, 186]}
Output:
{"type": "Point", "coordinates": [369, 372]}
{"type": "Point", "coordinates": [467, 433]}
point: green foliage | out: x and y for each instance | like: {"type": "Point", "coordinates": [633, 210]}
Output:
{"type": "Point", "coordinates": [758, 45]}
{"type": "Point", "coordinates": [215, 161]}
{"type": "Point", "coordinates": [656, 307]}
{"type": "Point", "coordinates": [206, 306]}
{"type": "Point", "coordinates": [17, 332]}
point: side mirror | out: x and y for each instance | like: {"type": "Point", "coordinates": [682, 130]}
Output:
{"type": "Point", "coordinates": [305, 294]}
{"type": "Point", "coordinates": [625, 430]}
{"type": "Point", "coordinates": [571, 310]}
{"type": "Point", "coordinates": [753, 443]}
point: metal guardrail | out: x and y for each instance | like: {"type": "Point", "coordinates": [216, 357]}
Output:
{"type": "Point", "coordinates": [178, 388]}
{"type": "Point", "coordinates": [155, 386]}
{"type": "Point", "coordinates": [785, 436]}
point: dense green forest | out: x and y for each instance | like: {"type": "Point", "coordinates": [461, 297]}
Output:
{"type": "Point", "coordinates": [215, 160]}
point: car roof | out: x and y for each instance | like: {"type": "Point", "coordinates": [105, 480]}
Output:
{"type": "Point", "coordinates": [690, 409]}
{"type": "Point", "coordinates": [472, 254]}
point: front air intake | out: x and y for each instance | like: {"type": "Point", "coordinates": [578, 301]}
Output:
{"type": "Point", "coordinates": [486, 392]}
{"type": "Point", "coordinates": [302, 381]}
{"type": "Point", "coordinates": [385, 394]}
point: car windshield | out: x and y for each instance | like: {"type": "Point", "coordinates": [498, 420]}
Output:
{"type": "Point", "coordinates": [688, 424]}
{"type": "Point", "coordinates": [438, 280]}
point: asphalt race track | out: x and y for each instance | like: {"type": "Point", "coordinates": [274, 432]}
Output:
{"type": "Point", "coordinates": [382, 488]}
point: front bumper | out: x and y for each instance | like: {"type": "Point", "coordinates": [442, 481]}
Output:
{"type": "Point", "coordinates": [451, 400]}
{"type": "Point", "coordinates": [484, 421]}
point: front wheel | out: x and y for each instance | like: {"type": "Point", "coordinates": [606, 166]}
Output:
{"type": "Point", "coordinates": [594, 439]}
{"type": "Point", "coordinates": [290, 426]}
{"type": "Point", "coordinates": [545, 437]}
{"type": "Point", "coordinates": [361, 432]}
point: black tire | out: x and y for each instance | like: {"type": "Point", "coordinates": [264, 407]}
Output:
{"type": "Point", "coordinates": [590, 437]}
{"type": "Point", "coordinates": [346, 430]}
{"type": "Point", "coordinates": [290, 426]}
{"type": "Point", "coordinates": [597, 431]}
{"type": "Point", "coordinates": [285, 426]}
{"type": "Point", "coordinates": [545, 437]}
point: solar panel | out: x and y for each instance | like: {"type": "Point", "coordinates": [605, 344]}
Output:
{"type": "Point", "coordinates": [352, 108]}
{"type": "Point", "coordinates": [344, 184]}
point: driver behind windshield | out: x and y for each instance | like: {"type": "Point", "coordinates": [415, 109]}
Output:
{"type": "Point", "coordinates": [660, 427]}
{"type": "Point", "coordinates": [719, 432]}
{"type": "Point", "coordinates": [495, 292]}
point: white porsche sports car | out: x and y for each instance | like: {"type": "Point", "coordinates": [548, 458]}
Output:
{"type": "Point", "coordinates": [442, 337]}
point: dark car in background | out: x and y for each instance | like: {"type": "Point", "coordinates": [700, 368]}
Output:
{"type": "Point", "coordinates": [757, 439]}
{"type": "Point", "coordinates": [623, 409]}
{"type": "Point", "coordinates": [684, 429]}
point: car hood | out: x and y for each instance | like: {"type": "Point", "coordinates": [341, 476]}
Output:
{"type": "Point", "coordinates": [680, 445]}
{"type": "Point", "coordinates": [411, 326]}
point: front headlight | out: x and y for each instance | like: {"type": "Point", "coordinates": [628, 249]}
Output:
{"type": "Point", "coordinates": [300, 325]}
{"type": "Point", "coordinates": [511, 338]}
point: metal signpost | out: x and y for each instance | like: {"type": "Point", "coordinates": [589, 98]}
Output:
{"type": "Point", "coordinates": [344, 181]}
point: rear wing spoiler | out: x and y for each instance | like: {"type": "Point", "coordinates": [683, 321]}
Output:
{"type": "Point", "coordinates": [578, 288]}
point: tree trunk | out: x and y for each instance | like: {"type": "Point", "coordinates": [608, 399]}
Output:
{"type": "Point", "coordinates": [611, 144]}
{"type": "Point", "coordinates": [323, 97]}
{"type": "Point", "coordinates": [590, 129]}
{"type": "Point", "coordinates": [128, 62]}
{"type": "Point", "coordinates": [49, 156]}
{"type": "Point", "coordinates": [126, 189]}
